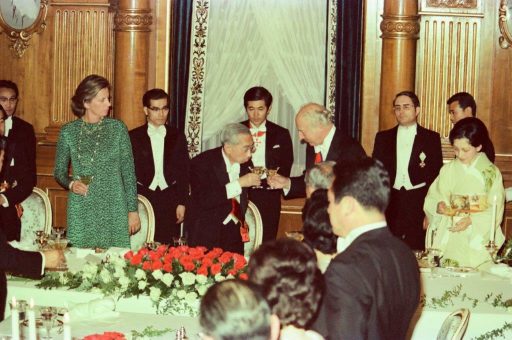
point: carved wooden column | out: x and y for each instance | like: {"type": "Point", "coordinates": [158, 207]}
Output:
{"type": "Point", "coordinates": [400, 28]}
{"type": "Point", "coordinates": [132, 28]}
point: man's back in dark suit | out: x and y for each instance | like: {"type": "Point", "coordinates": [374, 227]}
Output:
{"type": "Point", "coordinates": [372, 289]}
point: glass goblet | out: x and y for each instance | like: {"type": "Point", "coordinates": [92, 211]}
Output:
{"type": "Point", "coordinates": [48, 316]}
{"type": "Point", "coordinates": [260, 171]}
{"type": "Point", "coordinates": [86, 179]}
{"type": "Point", "coordinates": [59, 230]}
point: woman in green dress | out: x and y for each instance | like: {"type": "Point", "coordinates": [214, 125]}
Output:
{"type": "Point", "coordinates": [102, 202]}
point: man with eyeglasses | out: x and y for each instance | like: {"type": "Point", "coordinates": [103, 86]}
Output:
{"type": "Point", "coordinates": [219, 182]}
{"type": "Point", "coordinates": [18, 176]}
{"type": "Point", "coordinates": [412, 156]}
{"type": "Point", "coordinates": [161, 165]}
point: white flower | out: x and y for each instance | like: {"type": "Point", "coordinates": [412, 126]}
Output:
{"type": "Point", "coordinates": [95, 290]}
{"type": "Point", "coordinates": [105, 276]}
{"type": "Point", "coordinates": [181, 294]}
{"type": "Point", "coordinates": [188, 279]}
{"type": "Point", "coordinates": [229, 277]}
{"type": "Point", "coordinates": [118, 272]}
{"type": "Point", "coordinates": [191, 297]}
{"type": "Point", "coordinates": [201, 279]}
{"type": "Point", "coordinates": [167, 279]}
{"type": "Point", "coordinates": [140, 274]}
{"type": "Point", "coordinates": [219, 277]}
{"type": "Point", "coordinates": [63, 279]}
{"type": "Point", "coordinates": [89, 271]}
{"type": "Point", "coordinates": [142, 284]}
{"type": "Point", "coordinates": [154, 293]}
{"type": "Point", "coordinates": [124, 282]}
{"type": "Point", "coordinates": [157, 274]}
{"type": "Point", "coordinates": [202, 289]}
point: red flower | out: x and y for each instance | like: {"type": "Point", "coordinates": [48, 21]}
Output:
{"type": "Point", "coordinates": [215, 268]}
{"type": "Point", "coordinates": [136, 260]}
{"type": "Point", "coordinates": [128, 255]}
{"type": "Point", "coordinates": [154, 256]}
{"type": "Point", "coordinates": [203, 270]}
{"type": "Point", "coordinates": [167, 267]}
{"type": "Point", "coordinates": [155, 265]}
{"type": "Point", "coordinates": [146, 265]}
{"type": "Point", "coordinates": [226, 257]}
{"type": "Point", "coordinates": [243, 276]}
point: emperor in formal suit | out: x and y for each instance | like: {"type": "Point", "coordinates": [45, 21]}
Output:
{"type": "Point", "coordinates": [412, 156]}
{"type": "Point", "coordinates": [273, 150]}
{"type": "Point", "coordinates": [325, 143]}
{"type": "Point", "coordinates": [219, 181]}
{"type": "Point", "coordinates": [373, 284]}
{"type": "Point", "coordinates": [161, 165]}
{"type": "Point", "coordinates": [19, 173]}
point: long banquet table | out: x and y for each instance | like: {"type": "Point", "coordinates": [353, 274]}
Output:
{"type": "Point", "coordinates": [442, 293]}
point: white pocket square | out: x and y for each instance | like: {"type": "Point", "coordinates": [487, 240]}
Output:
{"type": "Point", "coordinates": [276, 146]}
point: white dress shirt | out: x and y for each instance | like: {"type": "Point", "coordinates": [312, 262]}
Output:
{"type": "Point", "coordinates": [344, 242]}
{"type": "Point", "coordinates": [326, 144]}
{"type": "Point", "coordinates": [157, 138]}
{"type": "Point", "coordinates": [233, 188]}
{"type": "Point", "coordinates": [404, 143]}
{"type": "Point", "coordinates": [8, 125]}
{"type": "Point", "coordinates": [258, 157]}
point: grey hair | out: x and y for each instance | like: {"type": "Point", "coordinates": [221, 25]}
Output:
{"type": "Point", "coordinates": [320, 175]}
{"type": "Point", "coordinates": [231, 132]}
{"type": "Point", "coordinates": [317, 114]}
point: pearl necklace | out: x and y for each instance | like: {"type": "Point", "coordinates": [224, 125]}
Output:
{"type": "Point", "coordinates": [89, 131]}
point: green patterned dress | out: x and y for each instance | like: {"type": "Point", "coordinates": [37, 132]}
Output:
{"type": "Point", "coordinates": [101, 150]}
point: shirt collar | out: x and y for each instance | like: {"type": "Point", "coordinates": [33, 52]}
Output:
{"type": "Point", "coordinates": [324, 147]}
{"type": "Point", "coordinates": [344, 242]}
{"type": "Point", "coordinates": [408, 130]}
{"type": "Point", "coordinates": [262, 127]}
{"type": "Point", "coordinates": [230, 168]}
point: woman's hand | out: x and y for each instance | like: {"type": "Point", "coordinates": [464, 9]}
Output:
{"type": "Point", "coordinates": [461, 225]}
{"type": "Point", "coordinates": [79, 188]}
{"type": "Point", "coordinates": [133, 222]}
{"type": "Point", "coordinates": [442, 208]}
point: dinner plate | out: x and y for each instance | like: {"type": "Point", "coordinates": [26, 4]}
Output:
{"type": "Point", "coordinates": [461, 271]}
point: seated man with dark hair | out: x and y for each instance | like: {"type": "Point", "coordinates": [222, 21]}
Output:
{"type": "Point", "coordinates": [372, 285]}
{"type": "Point", "coordinates": [233, 310]}
{"type": "Point", "coordinates": [286, 272]}
{"type": "Point", "coordinates": [317, 228]}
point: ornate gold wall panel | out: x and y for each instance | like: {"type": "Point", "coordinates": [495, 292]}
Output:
{"type": "Point", "coordinates": [448, 62]}
{"type": "Point", "coordinates": [83, 44]}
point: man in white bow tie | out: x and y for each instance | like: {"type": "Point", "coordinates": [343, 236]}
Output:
{"type": "Point", "coordinates": [273, 150]}
{"type": "Point", "coordinates": [413, 157]}
{"type": "Point", "coordinates": [19, 172]}
{"type": "Point", "coordinates": [161, 165]}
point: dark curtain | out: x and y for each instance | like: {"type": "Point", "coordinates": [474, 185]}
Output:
{"type": "Point", "coordinates": [349, 53]}
{"type": "Point", "coordinates": [180, 52]}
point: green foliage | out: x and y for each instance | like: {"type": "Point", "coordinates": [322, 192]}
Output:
{"type": "Point", "coordinates": [149, 332]}
{"type": "Point", "coordinates": [496, 333]}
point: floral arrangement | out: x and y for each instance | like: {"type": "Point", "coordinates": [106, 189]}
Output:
{"type": "Point", "coordinates": [106, 336]}
{"type": "Point", "coordinates": [173, 277]}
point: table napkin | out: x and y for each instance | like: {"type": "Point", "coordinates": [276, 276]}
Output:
{"type": "Point", "coordinates": [95, 309]}
{"type": "Point", "coordinates": [500, 269]}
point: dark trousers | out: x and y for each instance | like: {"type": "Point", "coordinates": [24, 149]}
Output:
{"type": "Point", "coordinates": [10, 223]}
{"type": "Point", "coordinates": [207, 233]}
{"type": "Point", "coordinates": [405, 216]}
{"type": "Point", "coordinates": [268, 203]}
{"type": "Point", "coordinates": [164, 204]}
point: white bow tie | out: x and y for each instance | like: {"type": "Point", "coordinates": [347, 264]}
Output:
{"type": "Point", "coordinates": [156, 131]}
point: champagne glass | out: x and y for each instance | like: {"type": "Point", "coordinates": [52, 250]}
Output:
{"type": "Point", "coordinates": [48, 315]}
{"type": "Point", "coordinates": [59, 230]}
{"type": "Point", "coordinates": [260, 171]}
{"type": "Point", "coordinates": [270, 173]}
{"type": "Point", "coordinates": [85, 179]}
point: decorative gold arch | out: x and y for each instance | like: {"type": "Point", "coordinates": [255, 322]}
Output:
{"type": "Point", "coordinates": [20, 36]}
{"type": "Point", "coordinates": [505, 23]}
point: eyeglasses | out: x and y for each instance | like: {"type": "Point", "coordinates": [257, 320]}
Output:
{"type": "Point", "coordinates": [251, 148]}
{"type": "Point", "coordinates": [164, 109]}
{"type": "Point", "coordinates": [405, 107]}
{"type": "Point", "coordinates": [11, 100]}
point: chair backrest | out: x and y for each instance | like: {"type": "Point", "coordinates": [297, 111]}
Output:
{"type": "Point", "coordinates": [37, 215]}
{"type": "Point", "coordinates": [454, 326]}
{"type": "Point", "coordinates": [147, 224]}
{"type": "Point", "coordinates": [253, 220]}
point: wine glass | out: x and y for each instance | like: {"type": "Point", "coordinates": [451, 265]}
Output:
{"type": "Point", "coordinates": [48, 316]}
{"type": "Point", "coordinates": [86, 179]}
{"type": "Point", "coordinates": [270, 173]}
{"type": "Point", "coordinates": [41, 239]}
{"type": "Point", "coordinates": [260, 171]}
{"type": "Point", "coordinates": [59, 230]}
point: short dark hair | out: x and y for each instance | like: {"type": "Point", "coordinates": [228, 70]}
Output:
{"type": "Point", "coordinates": [10, 85]}
{"type": "Point", "coordinates": [465, 100]}
{"type": "Point", "coordinates": [364, 179]}
{"type": "Point", "coordinates": [233, 310]}
{"type": "Point", "coordinates": [288, 276]}
{"type": "Point", "coordinates": [316, 227]}
{"type": "Point", "coordinates": [475, 131]}
{"type": "Point", "coordinates": [86, 91]}
{"type": "Point", "coordinates": [154, 94]}
{"type": "Point", "coordinates": [410, 94]}
{"type": "Point", "coordinates": [258, 93]}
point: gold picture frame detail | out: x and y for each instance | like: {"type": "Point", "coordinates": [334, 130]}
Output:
{"type": "Point", "coordinates": [20, 37]}
{"type": "Point", "coordinates": [505, 23]}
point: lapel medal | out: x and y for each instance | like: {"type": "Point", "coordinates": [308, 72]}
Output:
{"type": "Point", "coordinates": [422, 159]}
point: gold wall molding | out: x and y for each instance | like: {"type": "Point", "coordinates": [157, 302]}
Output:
{"type": "Point", "coordinates": [504, 23]}
{"type": "Point", "coordinates": [331, 59]}
{"type": "Point", "coordinates": [72, 61]}
{"type": "Point", "coordinates": [453, 3]}
{"type": "Point", "coordinates": [133, 20]}
{"type": "Point", "coordinates": [400, 26]}
{"type": "Point", "coordinates": [448, 62]}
